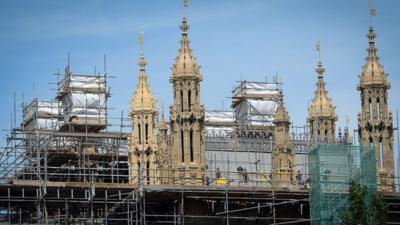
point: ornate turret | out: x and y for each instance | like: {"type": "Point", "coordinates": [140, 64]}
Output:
{"type": "Point", "coordinates": [143, 98]}
{"type": "Point", "coordinates": [143, 143]}
{"type": "Point", "coordinates": [185, 63]}
{"type": "Point", "coordinates": [164, 153]}
{"type": "Point", "coordinates": [282, 153]}
{"type": "Point", "coordinates": [187, 117]}
{"type": "Point", "coordinates": [375, 126]}
{"type": "Point", "coordinates": [321, 112]}
{"type": "Point", "coordinates": [372, 74]}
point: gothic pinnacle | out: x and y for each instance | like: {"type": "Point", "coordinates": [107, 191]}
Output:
{"type": "Point", "coordinates": [143, 98]}
{"type": "Point", "coordinates": [185, 63]}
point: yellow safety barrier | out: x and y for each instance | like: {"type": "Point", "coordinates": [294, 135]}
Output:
{"type": "Point", "coordinates": [222, 181]}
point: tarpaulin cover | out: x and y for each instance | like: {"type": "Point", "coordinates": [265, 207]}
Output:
{"type": "Point", "coordinates": [41, 109]}
{"type": "Point", "coordinates": [263, 107]}
{"type": "Point", "coordinates": [256, 112]}
{"type": "Point", "coordinates": [219, 116]}
{"type": "Point", "coordinates": [257, 88]}
{"type": "Point", "coordinates": [43, 124]}
{"type": "Point", "coordinates": [84, 105]}
{"type": "Point", "coordinates": [84, 82]}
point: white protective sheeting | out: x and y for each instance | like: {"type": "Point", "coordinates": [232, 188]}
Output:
{"type": "Point", "coordinates": [215, 116]}
{"type": "Point", "coordinates": [84, 82]}
{"type": "Point", "coordinates": [256, 112]}
{"type": "Point", "coordinates": [257, 88]}
{"type": "Point", "coordinates": [262, 107]}
{"type": "Point", "coordinates": [41, 109]}
{"type": "Point", "coordinates": [43, 124]}
{"type": "Point", "coordinates": [84, 105]}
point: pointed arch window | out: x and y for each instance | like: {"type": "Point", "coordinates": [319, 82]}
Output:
{"type": "Point", "coordinates": [148, 172]}
{"type": "Point", "coordinates": [139, 134]}
{"type": "Point", "coordinates": [181, 101]}
{"type": "Point", "coordinates": [378, 108]}
{"type": "Point", "coordinates": [191, 146]}
{"type": "Point", "coordinates": [146, 133]}
{"type": "Point", "coordinates": [189, 99]}
{"type": "Point", "coordinates": [182, 147]}
{"type": "Point", "coordinates": [370, 108]}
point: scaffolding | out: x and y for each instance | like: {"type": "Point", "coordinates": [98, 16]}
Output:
{"type": "Point", "coordinates": [75, 171]}
{"type": "Point", "coordinates": [83, 102]}
{"type": "Point", "coordinates": [332, 168]}
{"type": "Point", "coordinates": [254, 103]}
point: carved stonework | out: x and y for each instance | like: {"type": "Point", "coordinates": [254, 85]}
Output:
{"type": "Point", "coordinates": [143, 144]}
{"type": "Point", "coordinates": [283, 152]}
{"type": "Point", "coordinates": [321, 113]}
{"type": "Point", "coordinates": [187, 117]}
{"type": "Point", "coordinates": [375, 126]}
{"type": "Point", "coordinates": [164, 160]}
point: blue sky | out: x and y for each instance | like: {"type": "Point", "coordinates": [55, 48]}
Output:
{"type": "Point", "coordinates": [230, 37]}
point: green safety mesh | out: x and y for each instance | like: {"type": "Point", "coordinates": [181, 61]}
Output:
{"type": "Point", "coordinates": [331, 168]}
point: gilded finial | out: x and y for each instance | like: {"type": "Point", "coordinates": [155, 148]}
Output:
{"type": "Point", "coordinates": [140, 41]}
{"type": "Point", "coordinates": [163, 124]}
{"type": "Point", "coordinates": [320, 70]}
{"type": "Point", "coordinates": [371, 34]}
{"type": "Point", "coordinates": [142, 63]}
{"type": "Point", "coordinates": [372, 11]}
{"type": "Point", "coordinates": [318, 46]}
{"type": "Point", "coordinates": [184, 27]}
{"type": "Point", "coordinates": [162, 111]}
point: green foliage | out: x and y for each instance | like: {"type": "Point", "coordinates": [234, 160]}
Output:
{"type": "Point", "coordinates": [358, 213]}
{"type": "Point", "coordinates": [379, 210]}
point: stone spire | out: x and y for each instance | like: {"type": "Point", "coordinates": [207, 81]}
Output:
{"type": "Point", "coordinates": [372, 73]}
{"type": "Point", "coordinates": [143, 144]}
{"type": "Point", "coordinates": [282, 153]}
{"type": "Point", "coordinates": [375, 125]}
{"type": "Point", "coordinates": [164, 156]}
{"type": "Point", "coordinates": [187, 117]}
{"type": "Point", "coordinates": [185, 63]}
{"type": "Point", "coordinates": [321, 112]}
{"type": "Point", "coordinates": [163, 124]}
{"type": "Point", "coordinates": [143, 98]}
{"type": "Point", "coordinates": [281, 115]}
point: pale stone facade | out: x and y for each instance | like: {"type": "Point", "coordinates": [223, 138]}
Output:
{"type": "Point", "coordinates": [187, 117]}
{"type": "Point", "coordinates": [375, 124]}
{"type": "Point", "coordinates": [282, 153]}
{"type": "Point", "coordinates": [321, 113]}
{"type": "Point", "coordinates": [143, 142]}
{"type": "Point", "coordinates": [164, 153]}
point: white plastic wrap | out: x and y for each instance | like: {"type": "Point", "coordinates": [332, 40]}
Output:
{"type": "Point", "coordinates": [41, 109]}
{"type": "Point", "coordinates": [257, 88]}
{"type": "Point", "coordinates": [255, 112]}
{"type": "Point", "coordinates": [262, 107]}
{"type": "Point", "coordinates": [83, 82]}
{"type": "Point", "coordinates": [43, 124]}
{"type": "Point", "coordinates": [215, 116]}
{"type": "Point", "coordinates": [84, 105]}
